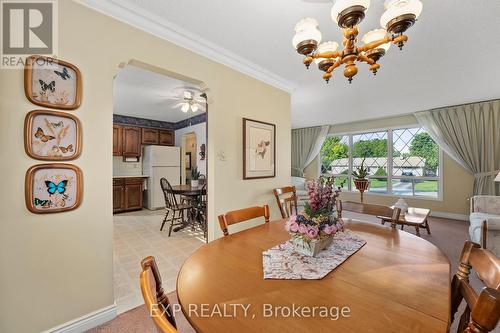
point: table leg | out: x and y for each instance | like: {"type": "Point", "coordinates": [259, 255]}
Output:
{"type": "Point", "coordinates": [417, 230]}
{"type": "Point", "coordinates": [427, 227]}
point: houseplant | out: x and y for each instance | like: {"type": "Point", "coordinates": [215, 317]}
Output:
{"type": "Point", "coordinates": [313, 229]}
{"type": "Point", "coordinates": [195, 175]}
{"type": "Point", "coordinates": [360, 180]}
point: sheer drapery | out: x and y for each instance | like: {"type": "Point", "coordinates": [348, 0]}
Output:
{"type": "Point", "coordinates": [470, 134]}
{"type": "Point", "coordinates": [306, 144]}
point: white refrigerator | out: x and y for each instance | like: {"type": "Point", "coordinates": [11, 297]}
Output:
{"type": "Point", "coordinates": [160, 162]}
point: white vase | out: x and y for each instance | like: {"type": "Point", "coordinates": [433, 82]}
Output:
{"type": "Point", "coordinates": [311, 248]}
{"type": "Point", "coordinates": [194, 183]}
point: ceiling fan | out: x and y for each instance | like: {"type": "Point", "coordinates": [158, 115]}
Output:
{"type": "Point", "coordinates": [188, 99]}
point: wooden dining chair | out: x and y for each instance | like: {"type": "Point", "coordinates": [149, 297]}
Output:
{"type": "Point", "coordinates": [288, 204]}
{"type": "Point", "coordinates": [178, 211]}
{"type": "Point", "coordinates": [155, 298]}
{"type": "Point", "coordinates": [242, 215]}
{"type": "Point", "coordinates": [482, 312]}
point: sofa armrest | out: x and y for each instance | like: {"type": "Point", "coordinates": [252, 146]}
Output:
{"type": "Point", "coordinates": [486, 204]}
{"type": "Point", "coordinates": [493, 223]}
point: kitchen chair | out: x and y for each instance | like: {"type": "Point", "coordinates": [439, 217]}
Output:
{"type": "Point", "coordinates": [155, 298]}
{"type": "Point", "coordinates": [241, 215]}
{"type": "Point", "coordinates": [201, 209]}
{"type": "Point", "coordinates": [287, 205]}
{"type": "Point", "coordinates": [482, 312]}
{"type": "Point", "coordinates": [171, 206]}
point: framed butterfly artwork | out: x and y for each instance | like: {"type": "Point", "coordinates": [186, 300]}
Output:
{"type": "Point", "coordinates": [53, 188]}
{"type": "Point", "coordinates": [52, 83]}
{"type": "Point", "coordinates": [52, 135]}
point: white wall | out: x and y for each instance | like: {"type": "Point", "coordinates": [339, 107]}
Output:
{"type": "Point", "coordinates": [200, 130]}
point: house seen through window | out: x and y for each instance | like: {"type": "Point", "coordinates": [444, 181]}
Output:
{"type": "Point", "coordinates": [400, 162]}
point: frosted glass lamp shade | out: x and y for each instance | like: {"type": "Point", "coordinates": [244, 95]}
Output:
{"type": "Point", "coordinates": [326, 47]}
{"type": "Point", "coordinates": [497, 179]}
{"type": "Point", "coordinates": [307, 36]}
{"type": "Point", "coordinates": [185, 107]}
{"type": "Point", "coordinates": [348, 13]}
{"type": "Point", "coordinates": [375, 35]}
{"type": "Point", "coordinates": [194, 107]}
{"type": "Point", "coordinates": [307, 28]}
{"type": "Point", "coordinates": [400, 15]}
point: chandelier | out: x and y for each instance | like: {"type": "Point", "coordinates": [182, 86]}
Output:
{"type": "Point", "coordinates": [399, 15]}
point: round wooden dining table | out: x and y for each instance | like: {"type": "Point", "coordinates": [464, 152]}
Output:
{"type": "Point", "coordinates": [397, 282]}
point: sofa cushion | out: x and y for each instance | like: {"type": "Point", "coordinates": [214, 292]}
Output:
{"type": "Point", "coordinates": [476, 223]}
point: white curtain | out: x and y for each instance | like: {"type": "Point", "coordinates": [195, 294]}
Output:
{"type": "Point", "coordinates": [470, 134]}
{"type": "Point", "coordinates": [306, 145]}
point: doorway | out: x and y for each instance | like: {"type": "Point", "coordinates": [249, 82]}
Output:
{"type": "Point", "coordinates": [164, 116]}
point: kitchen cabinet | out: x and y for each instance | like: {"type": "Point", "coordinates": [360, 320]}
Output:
{"type": "Point", "coordinates": [117, 140]}
{"type": "Point", "coordinates": [166, 138]}
{"type": "Point", "coordinates": [149, 136]}
{"type": "Point", "coordinates": [127, 194]}
{"type": "Point", "coordinates": [118, 195]}
{"type": "Point", "coordinates": [131, 141]}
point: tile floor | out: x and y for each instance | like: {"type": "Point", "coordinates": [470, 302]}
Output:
{"type": "Point", "coordinates": [137, 235]}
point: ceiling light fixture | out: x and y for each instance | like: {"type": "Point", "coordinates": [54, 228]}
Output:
{"type": "Point", "coordinates": [399, 15]}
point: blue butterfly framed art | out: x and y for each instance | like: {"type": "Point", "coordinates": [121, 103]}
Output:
{"type": "Point", "coordinates": [53, 188]}
{"type": "Point", "coordinates": [52, 83]}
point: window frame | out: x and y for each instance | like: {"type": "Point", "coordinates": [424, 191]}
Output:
{"type": "Point", "coordinates": [390, 176]}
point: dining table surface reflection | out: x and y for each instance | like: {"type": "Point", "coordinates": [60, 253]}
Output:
{"type": "Point", "coordinates": [397, 282]}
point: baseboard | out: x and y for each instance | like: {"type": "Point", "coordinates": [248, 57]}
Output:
{"type": "Point", "coordinates": [86, 322]}
{"type": "Point", "coordinates": [452, 216]}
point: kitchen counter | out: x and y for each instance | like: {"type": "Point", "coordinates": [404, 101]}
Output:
{"type": "Point", "coordinates": [131, 176]}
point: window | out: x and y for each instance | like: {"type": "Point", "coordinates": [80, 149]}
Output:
{"type": "Point", "coordinates": [400, 162]}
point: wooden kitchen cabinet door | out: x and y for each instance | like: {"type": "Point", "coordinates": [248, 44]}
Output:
{"type": "Point", "coordinates": [167, 138]}
{"type": "Point", "coordinates": [117, 140]}
{"type": "Point", "coordinates": [133, 196]}
{"type": "Point", "coordinates": [118, 198]}
{"type": "Point", "coordinates": [149, 136]}
{"type": "Point", "coordinates": [131, 141]}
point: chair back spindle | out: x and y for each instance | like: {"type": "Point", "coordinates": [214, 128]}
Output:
{"type": "Point", "coordinates": [288, 204]}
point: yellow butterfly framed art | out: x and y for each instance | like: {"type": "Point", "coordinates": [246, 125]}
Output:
{"type": "Point", "coordinates": [52, 135]}
{"type": "Point", "coordinates": [53, 188]}
{"type": "Point", "coordinates": [52, 83]}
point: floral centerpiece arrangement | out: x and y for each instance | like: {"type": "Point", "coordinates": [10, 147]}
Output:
{"type": "Point", "coordinates": [313, 229]}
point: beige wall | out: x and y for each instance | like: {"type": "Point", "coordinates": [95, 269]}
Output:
{"type": "Point", "coordinates": [59, 266]}
{"type": "Point", "coordinates": [457, 182]}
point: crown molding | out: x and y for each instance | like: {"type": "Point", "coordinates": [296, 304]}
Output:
{"type": "Point", "coordinates": [160, 27]}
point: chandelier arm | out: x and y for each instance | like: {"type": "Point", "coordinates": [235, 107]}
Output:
{"type": "Point", "coordinates": [335, 65]}
{"type": "Point", "coordinates": [327, 55]}
{"type": "Point", "coordinates": [362, 57]}
{"type": "Point", "coordinates": [376, 43]}
{"type": "Point", "coordinates": [400, 39]}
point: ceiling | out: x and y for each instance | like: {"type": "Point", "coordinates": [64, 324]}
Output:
{"type": "Point", "coordinates": [448, 60]}
{"type": "Point", "coordinates": [142, 93]}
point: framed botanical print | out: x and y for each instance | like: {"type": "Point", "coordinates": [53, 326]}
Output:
{"type": "Point", "coordinates": [259, 149]}
{"type": "Point", "coordinates": [52, 83]}
{"type": "Point", "coordinates": [51, 135]}
{"type": "Point", "coordinates": [53, 188]}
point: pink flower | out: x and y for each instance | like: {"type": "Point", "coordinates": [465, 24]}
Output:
{"type": "Point", "coordinates": [334, 229]}
{"type": "Point", "coordinates": [294, 227]}
{"type": "Point", "coordinates": [327, 229]}
{"type": "Point", "coordinates": [287, 226]}
{"type": "Point", "coordinates": [312, 232]}
{"type": "Point", "coordinates": [302, 229]}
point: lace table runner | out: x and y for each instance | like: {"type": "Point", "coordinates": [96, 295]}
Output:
{"type": "Point", "coordinates": [282, 262]}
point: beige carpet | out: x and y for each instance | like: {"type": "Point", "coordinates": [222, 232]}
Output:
{"type": "Point", "coordinates": [448, 235]}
